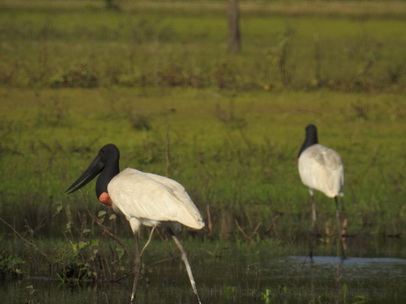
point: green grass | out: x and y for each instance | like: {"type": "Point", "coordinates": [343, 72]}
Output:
{"type": "Point", "coordinates": [231, 153]}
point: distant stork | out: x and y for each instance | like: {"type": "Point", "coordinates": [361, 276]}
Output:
{"type": "Point", "coordinates": [321, 168]}
{"type": "Point", "coordinates": [144, 198]}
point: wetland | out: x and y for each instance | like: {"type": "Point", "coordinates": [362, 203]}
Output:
{"type": "Point", "coordinates": [158, 82]}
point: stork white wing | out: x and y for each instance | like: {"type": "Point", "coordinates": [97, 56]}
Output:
{"type": "Point", "coordinates": [152, 198]}
{"type": "Point", "coordinates": [321, 168]}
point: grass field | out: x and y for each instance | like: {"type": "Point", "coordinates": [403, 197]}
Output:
{"type": "Point", "coordinates": [156, 80]}
{"type": "Point", "coordinates": [80, 44]}
{"type": "Point", "coordinates": [230, 152]}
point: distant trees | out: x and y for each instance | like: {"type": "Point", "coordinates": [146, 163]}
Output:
{"type": "Point", "coordinates": [234, 34]}
{"type": "Point", "coordinates": [111, 4]}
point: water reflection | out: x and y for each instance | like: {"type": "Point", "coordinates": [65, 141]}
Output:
{"type": "Point", "coordinates": [331, 279]}
{"type": "Point", "coordinates": [237, 276]}
{"type": "Point", "coordinates": [354, 268]}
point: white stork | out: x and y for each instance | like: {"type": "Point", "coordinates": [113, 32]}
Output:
{"type": "Point", "coordinates": [321, 168]}
{"type": "Point", "coordinates": [143, 198]}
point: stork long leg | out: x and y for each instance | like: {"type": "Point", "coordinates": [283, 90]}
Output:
{"type": "Point", "coordinates": [339, 228]}
{"type": "Point", "coordinates": [313, 233]}
{"type": "Point", "coordinates": [188, 268]}
{"type": "Point", "coordinates": [149, 240]}
{"type": "Point", "coordinates": [314, 216]}
{"type": "Point", "coordinates": [137, 261]}
{"type": "Point", "coordinates": [137, 266]}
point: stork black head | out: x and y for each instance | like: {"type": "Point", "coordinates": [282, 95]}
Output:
{"type": "Point", "coordinates": [106, 163]}
{"type": "Point", "coordinates": [311, 138]}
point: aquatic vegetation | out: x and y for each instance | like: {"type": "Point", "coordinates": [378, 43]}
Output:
{"type": "Point", "coordinates": [230, 292]}
{"type": "Point", "coordinates": [266, 295]}
{"type": "Point", "coordinates": [10, 265]}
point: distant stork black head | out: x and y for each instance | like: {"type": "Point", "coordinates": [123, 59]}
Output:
{"type": "Point", "coordinates": [311, 138]}
{"type": "Point", "coordinates": [106, 163]}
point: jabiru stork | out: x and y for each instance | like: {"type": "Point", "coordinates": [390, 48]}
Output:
{"type": "Point", "coordinates": [321, 168]}
{"type": "Point", "coordinates": [144, 198]}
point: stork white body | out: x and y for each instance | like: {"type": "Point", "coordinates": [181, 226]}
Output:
{"type": "Point", "coordinates": [150, 199]}
{"type": "Point", "coordinates": [321, 168]}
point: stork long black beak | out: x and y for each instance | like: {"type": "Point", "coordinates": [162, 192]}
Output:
{"type": "Point", "coordinates": [91, 172]}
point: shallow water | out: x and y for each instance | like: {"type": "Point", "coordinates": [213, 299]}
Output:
{"type": "Point", "coordinates": [237, 277]}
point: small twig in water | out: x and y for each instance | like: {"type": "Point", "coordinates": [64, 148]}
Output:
{"type": "Point", "coordinates": [162, 261]}
{"type": "Point", "coordinates": [108, 232]}
{"type": "Point", "coordinates": [209, 222]}
{"type": "Point", "coordinates": [247, 237]}
{"type": "Point", "coordinates": [24, 239]}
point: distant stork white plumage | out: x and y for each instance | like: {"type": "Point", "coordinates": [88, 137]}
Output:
{"type": "Point", "coordinates": [143, 198]}
{"type": "Point", "coordinates": [321, 168]}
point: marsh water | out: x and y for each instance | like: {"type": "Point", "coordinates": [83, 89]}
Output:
{"type": "Point", "coordinates": [238, 274]}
